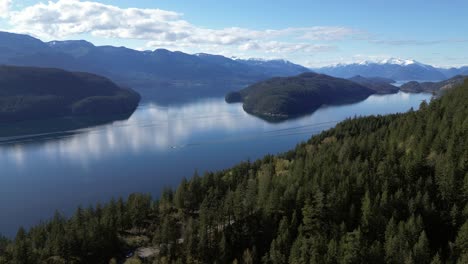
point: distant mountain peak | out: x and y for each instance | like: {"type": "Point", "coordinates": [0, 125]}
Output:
{"type": "Point", "coordinates": [202, 54]}
{"type": "Point", "coordinates": [83, 43]}
{"type": "Point", "coordinates": [262, 60]}
{"type": "Point", "coordinates": [255, 59]}
{"type": "Point", "coordinates": [391, 61]}
{"type": "Point", "coordinates": [392, 68]}
{"type": "Point", "coordinates": [398, 61]}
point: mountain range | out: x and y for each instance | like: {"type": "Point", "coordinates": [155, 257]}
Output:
{"type": "Point", "coordinates": [177, 74]}
{"type": "Point", "coordinates": [167, 71]}
{"type": "Point", "coordinates": [396, 69]}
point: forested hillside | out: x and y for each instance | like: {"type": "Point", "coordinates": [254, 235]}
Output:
{"type": "Point", "coordinates": [432, 87]}
{"type": "Point", "coordinates": [386, 189]}
{"type": "Point", "coordinates": [285, 97]}
{"type": "Point", "coordinates": [29, 93]}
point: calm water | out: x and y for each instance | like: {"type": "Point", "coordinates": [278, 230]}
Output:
{"type": "Point", "coordinates": [154, 148]}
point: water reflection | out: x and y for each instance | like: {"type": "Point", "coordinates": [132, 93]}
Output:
{"type": "Point", "coordinates": [153, 127]}
{"type": "Point", "coordinates": [155, 147]}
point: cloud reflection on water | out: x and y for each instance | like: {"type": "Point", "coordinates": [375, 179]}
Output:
{"type": "Point", "coordinates": [156, 128]}
{"type": "Point", "coordinates": [150, 127]}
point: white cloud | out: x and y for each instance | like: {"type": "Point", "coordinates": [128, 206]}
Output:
{"type": "Point", "coordinates": [161, 28]}
{"type": "Point", "coordinates": [285, 47]}
{"type": "Point", "coordinates": [330, 33]}
{"type": "Point", "coordinates": [69, 17]}
{"type": "Point", "coordinates": [4, 8]}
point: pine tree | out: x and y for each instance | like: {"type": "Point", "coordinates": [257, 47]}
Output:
{"type": "Point", "coordinates": [461, 242]}
{"type": "Point", "coordinates": [421, 250]}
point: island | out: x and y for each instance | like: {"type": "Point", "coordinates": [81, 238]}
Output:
{"type": "Point", "coordinates": [280, 98]}
{"type": "Point", "coordinates": [432, 87]}
{"type": "Point", "coordinates": [30, 93]}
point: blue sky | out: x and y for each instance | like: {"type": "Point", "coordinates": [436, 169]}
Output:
{"type": "Point", "coordinates": [313, 33]}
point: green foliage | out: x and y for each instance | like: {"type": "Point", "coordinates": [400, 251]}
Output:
{"type": "Point", "coordinates": [432, 87]}
{"type": "Point", "coordinates": [280, 98]}
{"type": "Point", "coordinates": [387, 189]}
{"type": "Point", "coordinates": [28, 93]}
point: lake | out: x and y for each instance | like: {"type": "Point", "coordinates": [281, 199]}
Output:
{"type": "Point", "coordinates": [155, 148]}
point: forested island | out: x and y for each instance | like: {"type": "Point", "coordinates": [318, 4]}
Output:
{"type": "Point", "coordinates": [28, 93]}
{"type": "Point", "coordinates": [378, 189]}
{"type": "Point", "coordinates": [285, 97]}
{"type": "Point", "coordinates": [432, 87]}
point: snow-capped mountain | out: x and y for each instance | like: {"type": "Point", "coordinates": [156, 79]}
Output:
{"type": "Point", "coordinates": [393, 68]}
{"type": "Point", "coordinates": [265, 67]}
{"type": "Point", "coordinates": [278, 67]}
{"type": "Point", "coordinates": [398, 61]}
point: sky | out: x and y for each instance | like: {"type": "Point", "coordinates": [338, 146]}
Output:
{"type": "Point", "coordinates": [308, 32]}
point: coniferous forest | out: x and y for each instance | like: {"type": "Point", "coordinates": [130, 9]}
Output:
{"type": "Point", "coordinates": [385, 189]}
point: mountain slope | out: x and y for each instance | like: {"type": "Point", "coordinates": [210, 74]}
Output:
{"type": "Point", "coordinates": [452, 72]}
{"type": "Point", "coordinates": [378, 84]}
{"type": "Point", "coordinates": [39, 93]}
{"type": "Point", "coordinates": [284, 97]}
{"type": "Point", "coordinates": [277, 68]}
{"type": "Point", "coordinates": [16, 43]}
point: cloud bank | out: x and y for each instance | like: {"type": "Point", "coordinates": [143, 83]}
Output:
{"type": "Point", "coordinates": [4, 8]}
{"type": "Point", "coordinates": [161, 28]}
